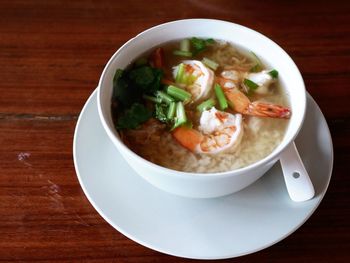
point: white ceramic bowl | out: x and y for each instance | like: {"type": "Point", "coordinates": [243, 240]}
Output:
{"type": "Point", "coordinates": [209, 184]}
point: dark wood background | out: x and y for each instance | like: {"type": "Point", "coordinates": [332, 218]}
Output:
{"type": "Point", "coordinates": [51, 56]}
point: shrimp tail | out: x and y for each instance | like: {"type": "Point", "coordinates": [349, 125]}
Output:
{"type": "Point", "coordinates": [267, 110]}
{"type": "Point", "coordinates": [240, 103]}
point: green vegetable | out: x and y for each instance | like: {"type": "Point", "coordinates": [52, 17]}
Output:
{"type": "Point", "coordinates": [180, 115]}
{"type": "Point", "coordinates": [142, 76]}
{"type": "Point", "coordinates": [250, 84]}
{"type": "Point", "coordinates": [130, 85]}
{"type": "Point", "coordinates": [124, 93]}
{"type": "Point", "coordinates": [200, 45]}
{"type": "Point", "coordinates": [274, 74]}
{"type": "Point", "coordinates": [164, 97]}
{"type": "Point", "coordinates": [183, 77]}
{"type": "Point", "coordinates": [210, 63]}
{"type": "Point", "coordinates": [152, 99]}
{"type": "Point", "coordinates": [180, 73]}
{"type": "Point", "coordinates": [258, 65]}
{"type": "Point", "coordinates": [185, 45]}
{"type": "Point", "coordinates": [171, 111]}
{"type": "Point", "coordinates": [146, 78]}
{"type": "Point", "coordinates": [133, 117]}
{"type": "Point", "coordinates": [206, 105]}
{"type": "Point", "coordinates": [182, 53]}
{"type": "Point", "coordinates": [160, 112]}
{"type": "Point", "coordinates": [221, 97]}
{"type": "Point", "coordinates": [178, 93]}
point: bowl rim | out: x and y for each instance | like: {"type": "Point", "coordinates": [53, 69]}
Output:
{"type": "Point", "coordinates": [272, 157]}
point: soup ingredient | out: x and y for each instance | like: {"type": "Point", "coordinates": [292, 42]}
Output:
{"type": "Point", "coordinates": [133, 117]}
{"type": "Point", "coordinates": [163, 97]}
{"type": "Point", "coordinates": [241, 103]}
{"type": "Point", "coordinates": [178, 93]}
{"type": "Point", "coordinates": [182, 53]}
{"type": "Point", "coordinates": [258, 82]}
{"type": "Point", "coordinates": [274, 73]}
{"type": "Point", "coordinates": [196, 77]}
{"type": "Point", "coordinates": [148, 133]}
{"type": "Point", "coordinates": [160, 112]}
{"type": "Point", "coordinates": [173, 111]}
{"type": "Point", "coordinates": [184, 49]}
{"type": "Point", "coordinates": [200, 45]}
{"type": "Point", "coordinates": [221, 97]}
{"type": "Point", "coordinates": [157, 58]}
{"type": "Point", "coordinates": [250, 85]}
{"type": "Point", "coordinates": [185, 45]}
{"type": "Point", "coordinates": [206, 105]}
{"type": "Point", "coordinates": [210, 63]}
{"type": "Point", "coordinates": [128, 86]}
{"type": "Point", "coordinates": [218, 131]}
{"type": "Point", "coordinates": [181, 117]}
{"type": "Point", "coordinates": [262, 80]}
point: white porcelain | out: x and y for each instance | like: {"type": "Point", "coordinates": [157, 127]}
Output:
{"type": "Point", "coordinates": [231, 226]}
{"type": "Point", "coordinates": [211, 184]}
{"type": "Point", "coordinates": [298, 183]}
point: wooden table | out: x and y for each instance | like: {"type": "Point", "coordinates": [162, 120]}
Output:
{"type": "Point", "coordinates": [51, 56]}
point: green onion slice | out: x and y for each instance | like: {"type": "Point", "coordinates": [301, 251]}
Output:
{"type": "Point", "coordinates": [178, 93]}
{"type": "Point", "coordinates": [210, 63]}
{"type": "Point", "coordinates": [185, 45]}
{"type": "Point", "coordinates": [182, 53]}
{"type": "Point", "coordinates": [221, 97]}
{"type": "Point", "coordinates": [180, 115]}
{"type": "Point", "coordinates": [274, 74]}
{"type": "Point", "coordinates": [171, 111]}
{"type": "Point", "coordinates": [164, 97]}
{"type": "Point", "coordinates": [250, 84]}
{"type": "Point", "coordinates": [152, 99]}
{"type": "Point", "coordinates": [180, 73]}
{"type": "Point", "coordinates": [206, 105]}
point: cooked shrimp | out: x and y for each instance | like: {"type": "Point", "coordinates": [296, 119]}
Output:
{"type": "Point", "coordinates": [240, 102]}
{"type": "Point", "coordinates": [263, 79]}
{"type": "Point", "coordinates": [197, 78]}
{"type": "Point", "coordinates": [218, 131]}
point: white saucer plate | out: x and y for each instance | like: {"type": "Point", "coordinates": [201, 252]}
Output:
{"type": "Point", "coordinates": [242, 223]}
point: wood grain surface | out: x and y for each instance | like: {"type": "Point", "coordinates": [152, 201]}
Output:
{"type": "Point", "coordinates": [51, 56]}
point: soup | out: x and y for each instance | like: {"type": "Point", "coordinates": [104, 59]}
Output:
{"type": "Point", "coordinates": [200, 105]}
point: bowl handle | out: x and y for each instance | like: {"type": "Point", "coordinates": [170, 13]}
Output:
{"type": "Point", "coordinates": [297, 180]}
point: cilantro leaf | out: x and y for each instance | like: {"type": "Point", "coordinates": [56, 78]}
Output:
{"type": "Point", "coordinates": [123, 92]}
{"type": "Point", "coordinates": [142, 76]}
{"type": "Point", "coordinates": [133, 117]}
{"type": "Point", "coordinates": [200, 45]}
{"type": "Point", "coordinates": [146, 78]}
